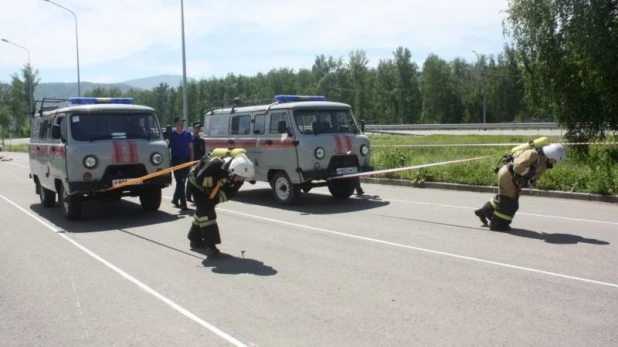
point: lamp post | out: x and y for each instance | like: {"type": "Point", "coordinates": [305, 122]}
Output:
{"type": "Point", "coordinates": [185, 101]}
{"type": "Point", "coordinates": [484, 96]}
{"type": "Point", "coordinates": [30, 82]}
{"type": "Point", "coordinates": [76, 44]}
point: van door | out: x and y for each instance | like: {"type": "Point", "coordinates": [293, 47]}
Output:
{"type": "Point", "coordinates": [57, 151]}
{"type": "Point", "coordinates": [259, 132]}
{"type": "Point", "coordinates": [279, 148]}
{"type": "Point", "coordinates": [42, 148]}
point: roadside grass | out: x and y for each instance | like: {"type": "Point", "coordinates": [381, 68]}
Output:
{"type": "Point", "coordinates": [16, 148]}
{"type": "Point", "coordinates": [588, 169]}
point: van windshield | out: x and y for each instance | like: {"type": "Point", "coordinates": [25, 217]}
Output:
{"type": "Point", "coordinates": [325, 121]}
{"type": "Point", "coordinates": [93, 126]}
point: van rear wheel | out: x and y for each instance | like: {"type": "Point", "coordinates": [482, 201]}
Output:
{"type": "Point", "coordinates": [284, 191]}
{"type": "Point", "coordinates": [48, 197]}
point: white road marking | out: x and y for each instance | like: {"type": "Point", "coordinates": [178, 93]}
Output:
{"type": "Point", "coordinates": [9, 163]}
{"type": "Point", "coordinates": [143, 286]}
{"type": "Point", "coordinates": [474, 208]}
{"type": "Point", "coordinates": [421, 249]}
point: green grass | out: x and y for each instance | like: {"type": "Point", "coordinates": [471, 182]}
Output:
{"type": "Point", "coordinates": [16, 148]}
{"type": "Point", "coordinates": [590, 170]}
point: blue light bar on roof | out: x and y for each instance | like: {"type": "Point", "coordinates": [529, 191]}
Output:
{"type": "Point", "coordinates": [291, 98]}
{"type": "Point", "coordinates": [92, 101]}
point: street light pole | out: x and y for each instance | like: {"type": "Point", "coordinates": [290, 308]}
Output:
{"type": "Point", "coordinates": [79, 93]}
{"type": "Point", "coordinates": [31, 79]}
{"type": "Point", "coordinates": [185, 101]}
{"type": "Point", "coordinates": [484, 95]}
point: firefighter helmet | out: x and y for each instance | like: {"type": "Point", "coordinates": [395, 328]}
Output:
{"type": "Point", "coordinates": [242, 166]}
{"type": "Point", "coordinates": [555, 151]}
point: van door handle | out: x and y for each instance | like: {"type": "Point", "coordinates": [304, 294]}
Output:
{"type": "Point", "coordinates": [53, 149]}
{"type": "Point", "coordinates": [269, 142]}
{"type": "Point", "coordinates": [231, 142]}
{"type": "Point", "coordinates": [38, 148]}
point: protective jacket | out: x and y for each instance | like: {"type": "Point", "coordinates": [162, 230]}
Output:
{"type": "Point", "coordinates": [522, 169]}
{"type": "Point", "coordinates": [210, 185]}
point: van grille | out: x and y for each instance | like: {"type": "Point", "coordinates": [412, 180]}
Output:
{"type": "Point", "coordinates": [113, 172]}
{"type": "Point", "coordinates": [339, 161]}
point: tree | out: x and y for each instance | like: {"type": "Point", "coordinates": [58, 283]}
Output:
{"type": "Point", "coordinates": [567, 49]}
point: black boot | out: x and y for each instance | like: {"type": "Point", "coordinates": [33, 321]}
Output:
{"type": "Point", "coordinates": [479, 213]}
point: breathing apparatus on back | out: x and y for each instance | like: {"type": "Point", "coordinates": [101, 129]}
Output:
{"type": "Point", "coordinates": [536, 144]}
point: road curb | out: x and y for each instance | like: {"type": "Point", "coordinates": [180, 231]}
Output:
{"type": "Point", "coordinates": [488, 189]}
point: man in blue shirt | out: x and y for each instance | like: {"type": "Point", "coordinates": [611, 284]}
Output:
{"type": "Point", "coordinates": [199, 150]}
{"type": "Point", "coordinates": [181, 148]}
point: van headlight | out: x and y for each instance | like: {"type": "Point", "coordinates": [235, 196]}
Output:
{"type": "Point", "coordinates": [364, 150]}
{"type": "Point", "coordinates": [90, 162]}
{"type": "Point", "coordinates": [319, 153]}
{"type": "Point", "coordinates": [156, 158]}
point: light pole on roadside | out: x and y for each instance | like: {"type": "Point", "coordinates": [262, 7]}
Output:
{"type": "Point", "coordinates": [484, 96]}
{"type": "Point", "coordinates": [79, 93]}
{"type": "Point", "coordinates": [185, 101]}
{"type": "Point", "coordinates": [31, 80]}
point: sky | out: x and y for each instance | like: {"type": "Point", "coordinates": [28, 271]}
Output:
{"type": "Point", "coordinates": [121, 40]}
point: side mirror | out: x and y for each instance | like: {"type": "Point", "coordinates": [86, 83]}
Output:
{"type": "Point", "coordinates": [55, 132]}
{"type": "Point", "coordinates": [282, 128]}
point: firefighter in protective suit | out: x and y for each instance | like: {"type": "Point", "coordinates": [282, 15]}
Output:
{"type": "Point", "coordinates": [521, 170]}
{"type": "Point", "coordinates": [211, 181]}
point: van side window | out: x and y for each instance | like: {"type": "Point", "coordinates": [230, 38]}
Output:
{"type": "Point", "coordinates": [274, 122]}
{"type": "Point", "coordinates": [241, 125]}
{"type": "Point", "coordinates": [63, 126]}
{"type": "Point", "coordinates": [43, 129]}
{"type": "Point", "coordinates": [259, 127]}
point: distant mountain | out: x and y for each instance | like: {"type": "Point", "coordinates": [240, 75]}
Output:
{"type": "Point", "coordinates": [66, 90]}
{"type": "Point", "coordinates": [152, 82]}
{"type": "Point", "coordinates": [63, 90]}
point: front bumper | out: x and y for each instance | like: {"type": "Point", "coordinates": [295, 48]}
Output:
{"type": "Point", "coordinates": [328, 173]}
{"type": "Point", "coordinates": [101, 185]}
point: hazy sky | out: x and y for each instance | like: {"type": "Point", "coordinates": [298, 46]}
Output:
{"type": "Point", "coordinates": [126, 39]}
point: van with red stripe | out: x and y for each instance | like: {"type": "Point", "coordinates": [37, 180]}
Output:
{"type": "Point", "coordinates": [295, 142]}
{"type": "Point", "coordinates": [80, 147]}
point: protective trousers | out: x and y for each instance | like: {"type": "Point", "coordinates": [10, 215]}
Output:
{"type": "Point", "coordinates": [500, 210]}
{"type": "Point", "coordinates": [204, 229]}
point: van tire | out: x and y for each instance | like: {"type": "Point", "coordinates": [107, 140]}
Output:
{"type": "Point", "coordinates": [150, 199]}
{"type": "Point", "coordinates": [71, 205]}
{"type": "Point", "coordinates": [284, 191]}
{"type": "Point", "coordinates": [341, 189]}
{"type": "Point", "coordinates": [48, 197]}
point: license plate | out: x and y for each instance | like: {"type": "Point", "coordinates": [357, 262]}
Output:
{"type": "Point", "coordinates": [122, 180]}
{"type": "Point", "coordinates": [347, 170]}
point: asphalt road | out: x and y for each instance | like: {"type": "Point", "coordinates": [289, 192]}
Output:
{"type": "Point", "coordinates": [398, 267]}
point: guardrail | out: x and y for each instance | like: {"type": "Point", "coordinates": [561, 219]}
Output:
{"type": "Point", "coordinates": [468, 126]}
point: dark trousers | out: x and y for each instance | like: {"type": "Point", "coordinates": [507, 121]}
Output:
{"type": "Point", "coordinates": [204, 229]}
{"type": "Point", "coordinates": [500, 211]}
{"type": "Point", "coordinates": [181, 179]}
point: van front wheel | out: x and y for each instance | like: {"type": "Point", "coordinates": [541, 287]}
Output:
{"type": "Point", "coordinates": [284, 191]}
{"type": "Point", "coordinates": [150, 199]}
{"type": "Point", "coordinates": [341, 189]}
{"type": "Point", "coordinates": [71, 205]}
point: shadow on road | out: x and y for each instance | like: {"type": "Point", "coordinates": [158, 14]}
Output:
{"type": "Point", "coordinates": [310, 203]}
{"type": "Point", "coordinates": [231, 265]}
{"type": "Point", "coordinates": [104, 216]}
{"type": "Point", "coordinates": [559, 239]}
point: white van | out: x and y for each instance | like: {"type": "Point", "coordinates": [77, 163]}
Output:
{"type": "Point", "coordinates": [296, 143]}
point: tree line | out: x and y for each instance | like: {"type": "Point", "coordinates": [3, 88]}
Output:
{"type": "Point", "coordinates": [562, 67]}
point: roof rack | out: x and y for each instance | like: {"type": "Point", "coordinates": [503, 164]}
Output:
{"type": "Point", "coordinates": [43, 108]}
{"type": "Point", "coordinates": [278, 99]}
